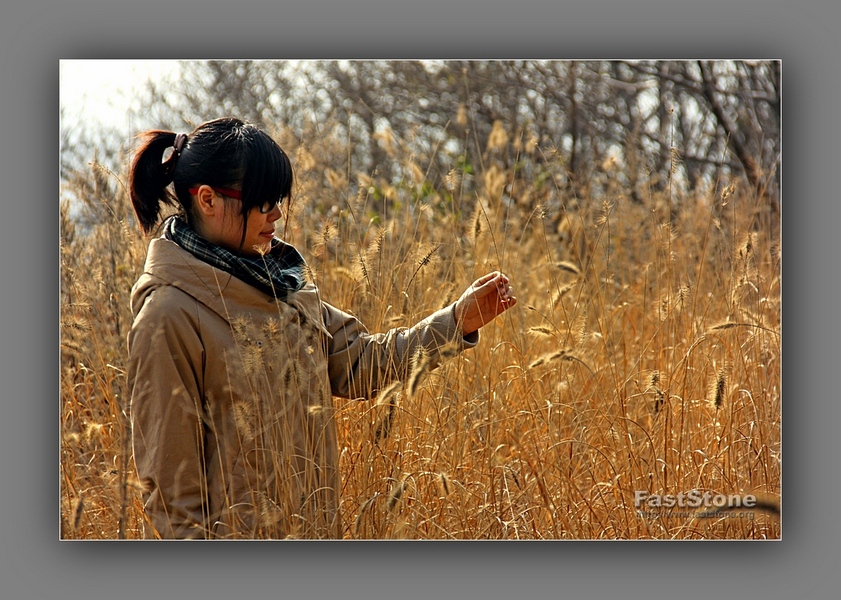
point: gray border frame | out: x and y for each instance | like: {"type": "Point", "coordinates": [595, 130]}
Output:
{"type": "Point", "coordinates": [36, 34]}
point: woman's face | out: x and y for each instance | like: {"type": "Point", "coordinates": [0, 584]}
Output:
{"type": "Point", "coordinates": [221, 223]}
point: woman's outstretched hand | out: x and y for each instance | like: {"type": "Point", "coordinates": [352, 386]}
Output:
{"type": "Point", "coordinates": [485, 299]}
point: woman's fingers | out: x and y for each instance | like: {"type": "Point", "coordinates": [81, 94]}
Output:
{"type": "Point", "coordinates": [493, 283]}
{"type": "Point", "coordinates": [486, 278]}
{"type": "Point", "coordinates": [489, 282]}
{"type": "Point", "coordinates": [502, 286]}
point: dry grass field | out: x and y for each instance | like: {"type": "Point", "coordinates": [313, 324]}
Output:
{"type": "Point", "coordinates": [643, 355]}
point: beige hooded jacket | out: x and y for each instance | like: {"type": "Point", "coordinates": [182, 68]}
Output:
{"type": "Point", "coordinates": [231, 398]}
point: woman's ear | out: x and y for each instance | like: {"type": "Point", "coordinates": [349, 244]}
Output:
{"type": "Point", "coordinates": [206, 202]}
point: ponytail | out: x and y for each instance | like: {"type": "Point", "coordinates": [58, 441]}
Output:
{"type": "Point", "coordinates": [150, 176]}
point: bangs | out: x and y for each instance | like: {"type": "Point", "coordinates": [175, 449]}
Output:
{"type": "Point", "coordinates": [266, 172]}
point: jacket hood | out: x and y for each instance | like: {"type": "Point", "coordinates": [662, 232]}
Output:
{"type": "Point", "coordinates": [168, 264]}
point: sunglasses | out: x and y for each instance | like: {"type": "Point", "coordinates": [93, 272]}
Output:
{"type": "Point", "coordinates": [264, 208]}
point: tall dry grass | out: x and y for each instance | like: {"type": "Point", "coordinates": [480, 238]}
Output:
{"type": "Point", "coordinates": [644, 353]}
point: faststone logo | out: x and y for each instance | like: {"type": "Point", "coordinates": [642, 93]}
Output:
{"type": "Point", "coordinates": [710, 504]}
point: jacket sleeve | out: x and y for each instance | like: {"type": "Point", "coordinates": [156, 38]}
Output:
{"type": "Point", "coordinates": [361, 363]}
{"type": "Point", "coordinates": [165, 374]}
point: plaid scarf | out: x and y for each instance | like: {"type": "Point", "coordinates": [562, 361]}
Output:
{"type": "Point", "coordinates": [278, 273]}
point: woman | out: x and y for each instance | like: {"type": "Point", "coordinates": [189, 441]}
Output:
{"type": "Point", "coordinates": [234, 357]}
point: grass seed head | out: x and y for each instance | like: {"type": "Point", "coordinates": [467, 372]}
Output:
{"type": "Point", "coordinates": [445, 484]}
{"type": "Point", "coordinates": [78, 511]}
{"type": "Point", "coordinates": [397, 493]}
{"type": "Point", "coordinates": [541, 331]}
{"type": "Point", "coordinates": [718, 388]}
{"type": "Point", "coordinates": [568, 266]}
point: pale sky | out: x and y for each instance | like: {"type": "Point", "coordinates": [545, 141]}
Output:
{"type": "Point", "coordinates": [101, 90]}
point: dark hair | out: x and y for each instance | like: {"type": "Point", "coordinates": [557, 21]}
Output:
{"type": "Point", "coordinates": [225, 152]}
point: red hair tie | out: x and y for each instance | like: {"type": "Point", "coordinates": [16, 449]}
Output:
{"type": "Point", "coordinates": [232, 193]}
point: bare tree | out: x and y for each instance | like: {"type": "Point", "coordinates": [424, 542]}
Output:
{"type": "Point", "coordinates": [657, 122]}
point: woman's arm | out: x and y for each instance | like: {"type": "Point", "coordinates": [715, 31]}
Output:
{"type": "Point", "coordinates": [361, 363]}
